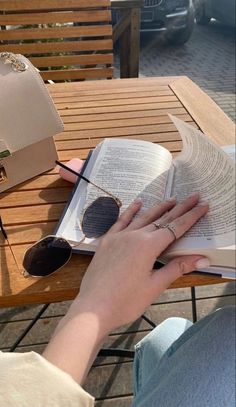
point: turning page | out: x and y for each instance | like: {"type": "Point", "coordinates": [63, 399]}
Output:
{"type": "Point", "coordinates": [204, 167]}
{"type": "Point", "coordinates": [130, 169]}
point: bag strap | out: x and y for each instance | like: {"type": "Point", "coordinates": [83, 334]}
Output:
{"type": "Point", "coordinates": [13, 59]}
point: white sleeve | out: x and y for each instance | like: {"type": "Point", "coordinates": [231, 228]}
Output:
{"type": "Point", "coordinates": [27, 379]}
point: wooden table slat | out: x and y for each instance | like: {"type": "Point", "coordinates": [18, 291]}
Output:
{"type": "Point", "coordinates": [155, 138]}
{"type": "Point", "coordinates": [117, 132]}
{"type": "Point", "coordinates": [148, 83]}
{"type": "Point", "coordinates": [66, 155]}
{"type": "Point", "coordinates": [44, 181]}
{"type": "Point", "coordinates": [35, 197]}
{"type": "Point", "coordinates": [28, 233]}
{"type": "Point", "coordinates": [112, 96]}
{"type": "Point", "coordinates": [120, 108]}
{"type": "Point", "coordinates": [32, 214]}
{"type": "Point", "coordinates": [93, 92]}
{"type": "Point", "coordinates": [123, 115]}
{"type": "Point", "coordinates": [117, 123]}
{"type": "Point", "coordinates": [115, 102]}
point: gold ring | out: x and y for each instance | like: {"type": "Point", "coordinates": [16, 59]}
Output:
{"type": "Point", "coordinates": [171, 228]}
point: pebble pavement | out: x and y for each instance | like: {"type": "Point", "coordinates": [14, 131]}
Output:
{"type": "Point", "coordinates": [208, 58]}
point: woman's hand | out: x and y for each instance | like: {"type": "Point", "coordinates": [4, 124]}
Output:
{"type": "Point", "coordinates": [120, 282]}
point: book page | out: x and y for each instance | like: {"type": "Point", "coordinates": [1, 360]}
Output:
{"type": "Point", "coordinates": [230, 150]}
{"type": "Point", "coordinates": [125, 168]}
{"type": "Point", "coordinates": [202, 166]}
{"type": "Point", "coordinates": [131, 169]}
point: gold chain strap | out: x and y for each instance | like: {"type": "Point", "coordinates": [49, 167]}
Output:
{"type": "Point", "coordinates": [16, 64]}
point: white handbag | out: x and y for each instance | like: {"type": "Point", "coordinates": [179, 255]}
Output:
{"type": "Point", "coordinates": [28, 122]}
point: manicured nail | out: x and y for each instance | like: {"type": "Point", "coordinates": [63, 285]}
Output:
{"type": "Point", "coordinates": [202, 263]}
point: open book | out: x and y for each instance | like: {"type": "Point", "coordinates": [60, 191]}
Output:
{"type": "Point", "coordinates": [133, 168]}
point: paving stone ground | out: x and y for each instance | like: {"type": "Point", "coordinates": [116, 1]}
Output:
{"type": "Point", "coordinates": [208, 58]}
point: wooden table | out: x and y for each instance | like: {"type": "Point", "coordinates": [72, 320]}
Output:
{"type": "Point", "coordinates": [132, 108]}
{"type": "Point", "coordinates": [127, 31]}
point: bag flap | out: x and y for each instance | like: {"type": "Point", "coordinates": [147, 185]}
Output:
{"type": "Point", "coordinates": [27, 111]}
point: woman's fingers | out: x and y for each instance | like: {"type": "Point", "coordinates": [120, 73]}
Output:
{"type": "Point", "coordinates": [178, 210]}
{"type": "Point", "coordinates": [161, 214]}
{"type": "Point", "coordinates": [126, 217]}
{"type": "Point", "coordinates": [180, 226]}
{"type": "Point", "coordinates": [181, 208]}
{"type": "Point", "coordinates": [152, 214]}
{"type": "Point", "coordinates": [162, 278]}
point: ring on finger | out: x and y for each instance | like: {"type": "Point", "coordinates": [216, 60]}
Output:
{"type": "Point", "coordinates": [171, 228]}
{"type": "Point", "coordinates": [157, 225]}
{"type": "Point", "coordinates": [168, 226]}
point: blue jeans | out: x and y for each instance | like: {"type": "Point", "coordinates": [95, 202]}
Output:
{"type": "Point", "coordinates": [184, 365]}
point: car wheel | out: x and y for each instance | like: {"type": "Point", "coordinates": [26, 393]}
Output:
{"type": "Point", "coordinates": [200, 15]}
{"type": "Point", "coordinates": [180, 37]}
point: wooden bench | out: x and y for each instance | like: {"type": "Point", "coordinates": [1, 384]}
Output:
{"type": "Point", "coordinates": [64, 39]}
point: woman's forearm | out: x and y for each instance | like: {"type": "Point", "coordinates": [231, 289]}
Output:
{"type": "Point", "coordinates": [76, 342]}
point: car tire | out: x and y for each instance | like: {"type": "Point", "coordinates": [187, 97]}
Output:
{"type": "Point", "coordinates": [200, 15]}
{"type": "Point", "coordinates": [180, 37]}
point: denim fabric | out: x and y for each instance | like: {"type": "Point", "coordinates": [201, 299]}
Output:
{"type": "Point", "coordinates": [184, 365]}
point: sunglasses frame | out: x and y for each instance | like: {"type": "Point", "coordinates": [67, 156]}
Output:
{"type": "Point", "coordinates": [117, 200]}
{"type": "Point", "coordinates": [25, 273]}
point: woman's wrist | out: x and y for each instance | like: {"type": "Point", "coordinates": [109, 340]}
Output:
{"type": "Point", "coordinates": [84, 310]}
{"type": "Point", "coordinates": [77, 340]}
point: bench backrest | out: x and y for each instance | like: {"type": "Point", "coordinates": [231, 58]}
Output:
{"type": "Point", "coordinates": [64, 39]}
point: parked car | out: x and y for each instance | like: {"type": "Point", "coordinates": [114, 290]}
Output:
{"type": "Point", "coordinates": [174, 18]}
{"type": "Point", "coordinates": [222, 10]}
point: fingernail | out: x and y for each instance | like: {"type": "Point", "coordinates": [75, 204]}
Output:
{"type": "Point", "coordinates": [203, 204]}
{"type": "Point", "coordinates": [195, 194]}
{"type": "Point", "coordinates": [138, 201]}
{"type": "Point", "coordinates": [172, 199]}
{"type": "Point", "coordinates": [202, 263]}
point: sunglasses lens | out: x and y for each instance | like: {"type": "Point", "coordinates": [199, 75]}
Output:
{"type": "Point", "coordinates": [47, 256]}
{"type": "Point", "coordinates": [99, 217]}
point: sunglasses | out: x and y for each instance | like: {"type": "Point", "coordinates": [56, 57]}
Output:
{"type": "Point", "coordinates": [51, 253]}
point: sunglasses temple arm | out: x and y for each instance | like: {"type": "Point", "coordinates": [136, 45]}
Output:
{"type": "Point", "coordinates": [5, 236]}
{"type": "Point", "coordinates": [119, 203]}
{"type": "Point", "coordinates": [2, 229]}
{"type": "Point", "coordinates": [89, 182]}
{"type": "Point", "coordinates": [72, 171]}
